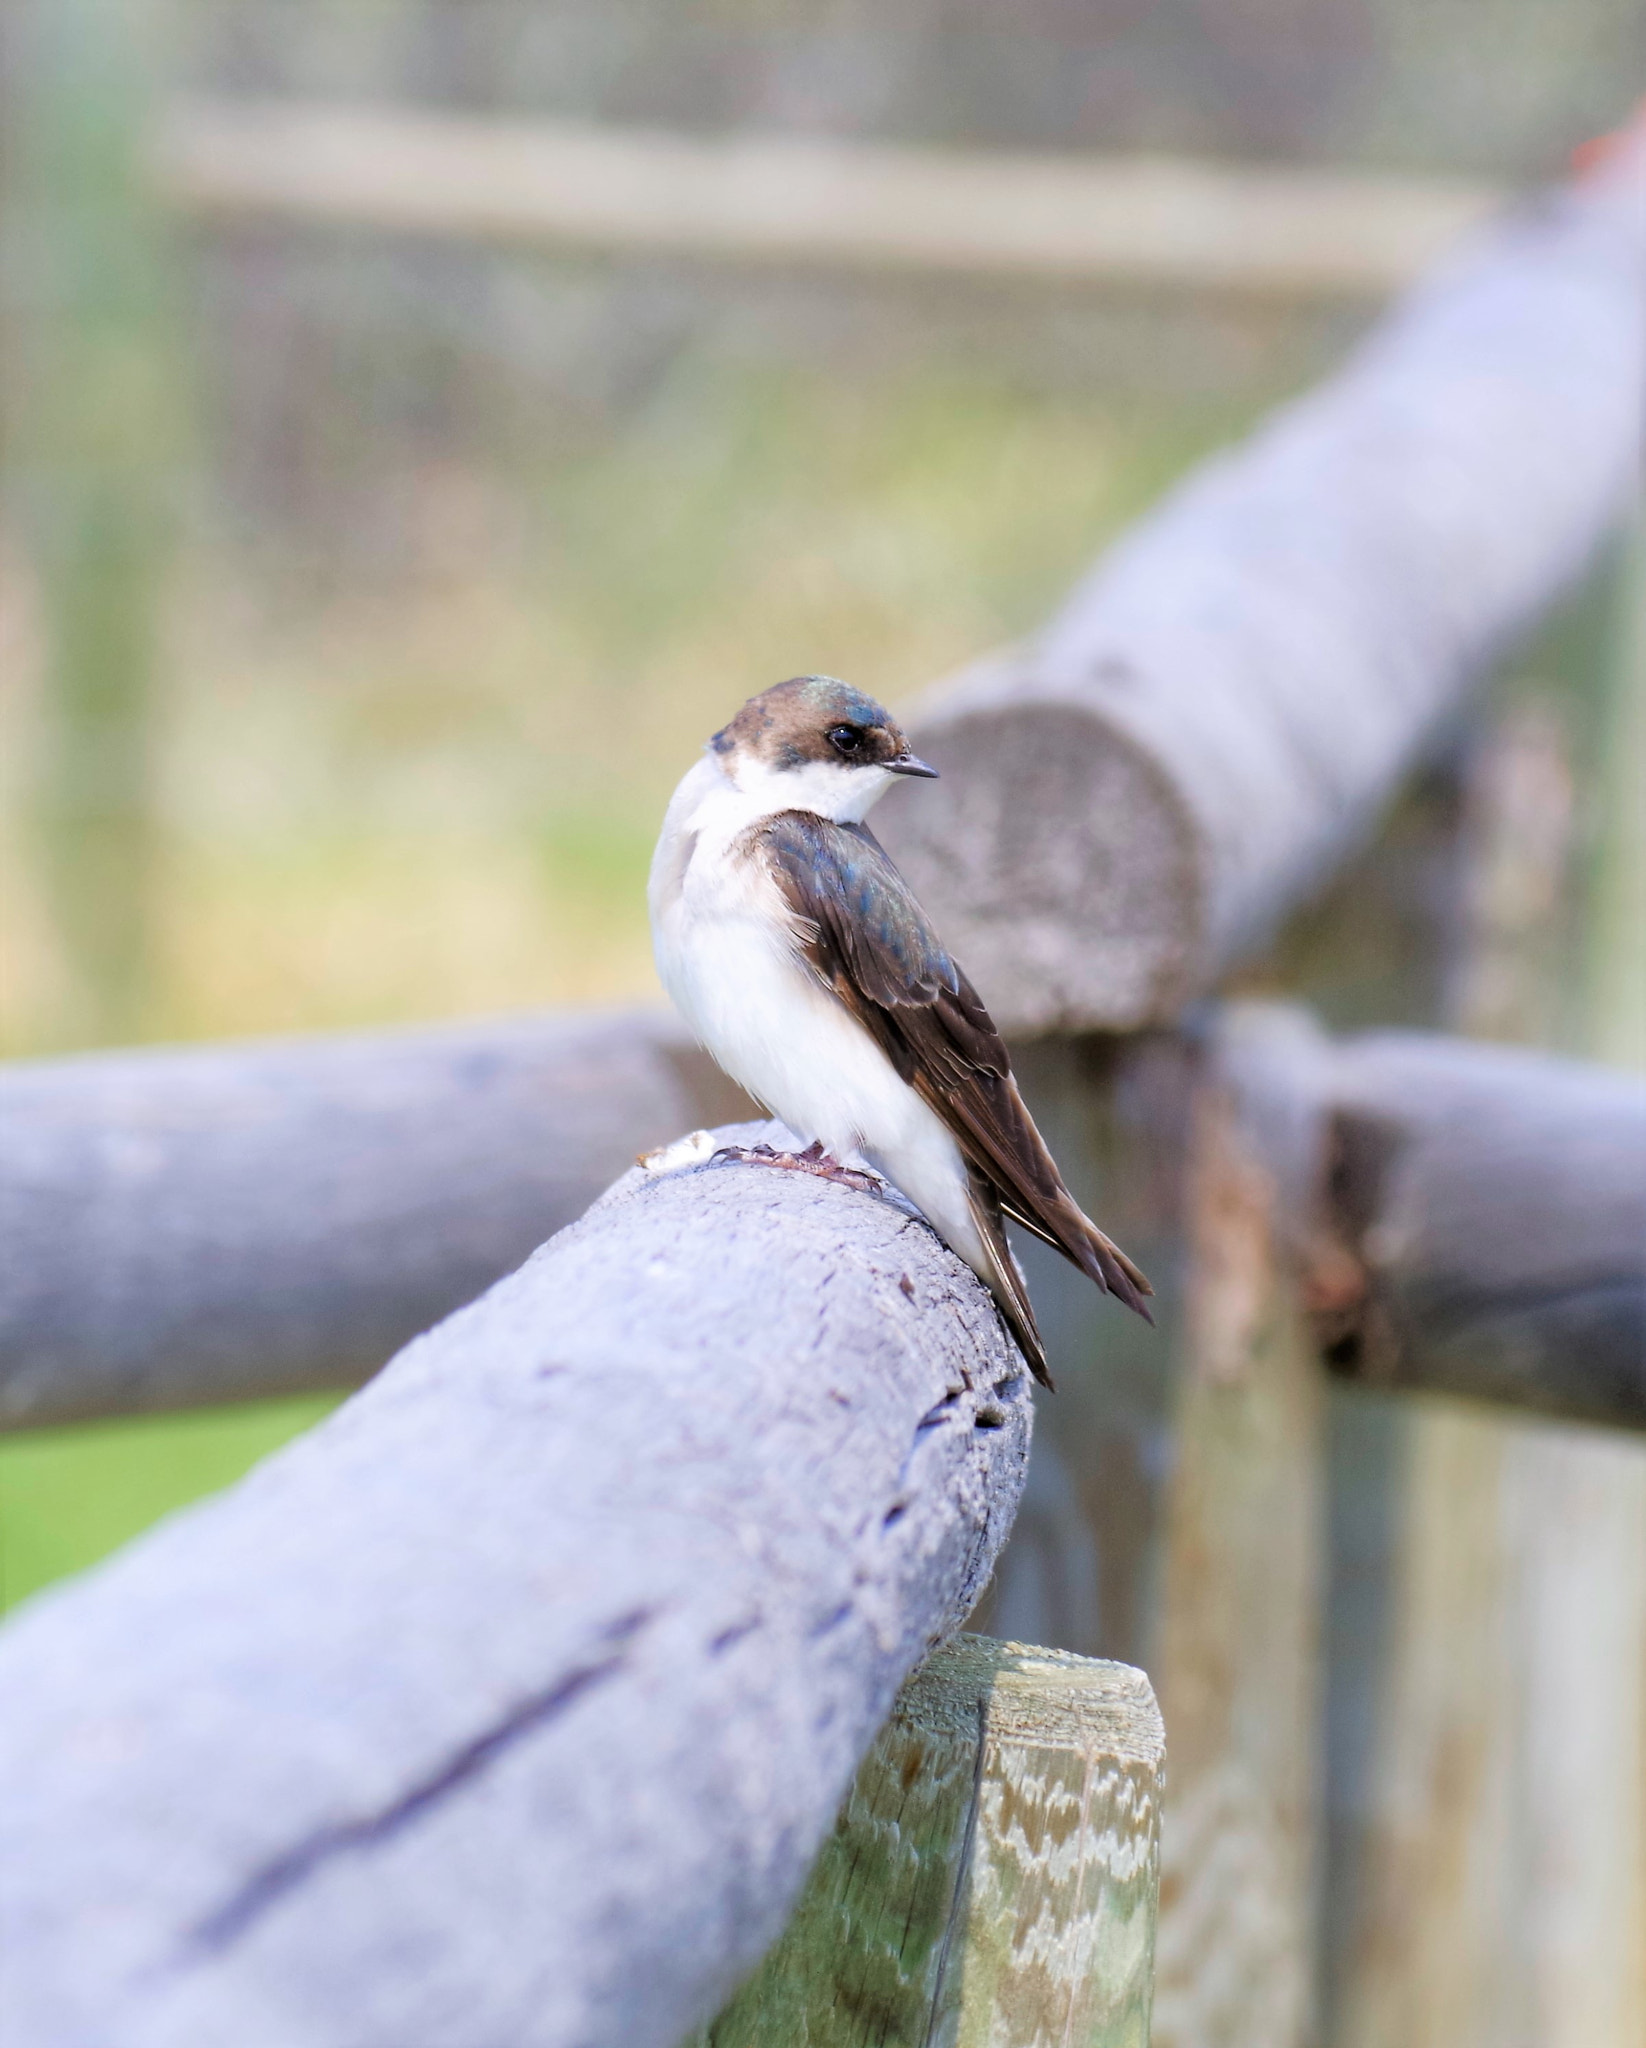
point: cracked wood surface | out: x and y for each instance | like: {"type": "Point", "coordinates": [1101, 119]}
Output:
{"type": "Point", "coordinates": [508, 1708]}
{"type": "Point", "coordinates": [1220, 711]}
{"type": "Point", "coordinates": [180, 1227]}
{"type": "Point", "coordinates": [992, 1877]}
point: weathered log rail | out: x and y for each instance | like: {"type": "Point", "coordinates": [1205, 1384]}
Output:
{"type": "Point", "coordinates": [1219, 714]}
{"type": "Point", "coordinates": [1491, 1204]}
{"type": "Point", "coordinates": [273, 1218]}
{"type": "Point", "coordinates": [578, 1619]}
{"type": "Point", "coordinates": [179, 1228]}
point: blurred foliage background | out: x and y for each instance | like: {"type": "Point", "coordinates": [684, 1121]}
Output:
{"type": "Point", "coordinates": [363, 598]}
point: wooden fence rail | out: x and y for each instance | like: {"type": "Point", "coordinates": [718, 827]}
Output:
{"type": "Point", "coordinates": [512, 1704]}
{"type": "Point", "coordinates": [193, 1227]}
{"type": "Point", "coordinates": [1215, 719]}
{"type": "Point", "coordinates": [179, 1228]}
{"type": "Point", "coordinates": [1492, 1207]}
{"type": "Point", "coordinates": [809, 199]}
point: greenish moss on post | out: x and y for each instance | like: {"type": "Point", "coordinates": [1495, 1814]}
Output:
{"type": "Point", "coordinates": [992, 1879]}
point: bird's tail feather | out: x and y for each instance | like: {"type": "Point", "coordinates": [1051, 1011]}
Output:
{"type": "Point", "coordinates": [1006, 1282]}
{"type": "Point", "coordinates": [1123, 1279]}
{"type": "Point", "coordinates": [1098, 1257]}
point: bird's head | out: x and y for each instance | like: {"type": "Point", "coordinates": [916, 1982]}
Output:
{"type": "Point", "coordinates": [815, 744]}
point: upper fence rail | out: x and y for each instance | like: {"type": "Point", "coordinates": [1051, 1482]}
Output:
{"type": "Point", "coordinates": [193, 1227]}
{"type": "Point", "coordinates": [1137, 798]}
{"type": "Point", "coordinates": [810, 200]}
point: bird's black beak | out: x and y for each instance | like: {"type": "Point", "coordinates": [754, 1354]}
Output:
{"type": "Point", "coordinates": [906, 764]}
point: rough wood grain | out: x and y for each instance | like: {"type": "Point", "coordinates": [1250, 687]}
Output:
{"type": "Point", "coordinates": [202, 1225]}
{"type": "Point", "coordinates": [1495, 1203]}
{"type": "Point", "coordinates": [508, 1708]}
{"type": "Point", "coordinates": [991, 1880]}
{"type": "Point", "coordinates": [1222, 709]}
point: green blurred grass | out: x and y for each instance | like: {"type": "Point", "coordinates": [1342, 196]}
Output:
{"type": "Point", "coordinates": [70, 1496]}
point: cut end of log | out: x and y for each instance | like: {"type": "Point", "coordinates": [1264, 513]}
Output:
{"type": "Point", "coordinates": [1055, 858]}
{"type": "Point", "coordinates": [1036, 1695]}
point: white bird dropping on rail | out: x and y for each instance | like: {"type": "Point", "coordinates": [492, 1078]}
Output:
{"type": "Point", "coordinates": [800, 958]}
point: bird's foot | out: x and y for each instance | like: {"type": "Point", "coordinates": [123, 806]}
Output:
{"type": "Point", "coordinates": [813, 1160]}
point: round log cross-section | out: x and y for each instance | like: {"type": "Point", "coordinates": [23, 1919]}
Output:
{"type": "Point", "coordinates": [1220, 711]}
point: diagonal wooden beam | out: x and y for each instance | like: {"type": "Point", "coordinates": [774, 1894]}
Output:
{"type": "Point", "coordinates": [514, 1702]}
{"type": "Point", "coordinates": [1136, 799]}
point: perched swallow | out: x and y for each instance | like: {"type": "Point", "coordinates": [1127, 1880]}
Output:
{"type": "Point", "coordinates": [799, 957]}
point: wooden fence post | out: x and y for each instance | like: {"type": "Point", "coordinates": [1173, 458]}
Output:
{"type": "Point", "coordinates": [992, 1879]}
{"type": "Point", "coordinates": [1083, 1567]}
{"type": "Point", "coordinates": [1515, 1577]}
{"type": "Point", "coordinates": [1237, 1656]}
{"type": "Point", "coordinates": [1583, 1562]}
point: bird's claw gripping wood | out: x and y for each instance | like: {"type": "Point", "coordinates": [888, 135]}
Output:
{"type": "Point", "coordinates": [813, 1160]}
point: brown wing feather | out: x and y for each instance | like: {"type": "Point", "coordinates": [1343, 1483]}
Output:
{"type": "Point", "coordinates": [868, 939]}
{"type": "Point", "coordinates": [982, 1106]}
{"type": "Point", "coordinates": [1006, 1281]}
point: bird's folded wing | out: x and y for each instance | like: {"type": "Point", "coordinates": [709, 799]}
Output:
{"type": "Point", "coordinates": [869, 941]}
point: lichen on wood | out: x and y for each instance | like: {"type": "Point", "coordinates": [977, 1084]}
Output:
{"type": "Point", "coordinates": [991, 1880]}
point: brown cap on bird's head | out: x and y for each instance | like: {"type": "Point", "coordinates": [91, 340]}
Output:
{"type": "Point", "coordinates": [817, 719]}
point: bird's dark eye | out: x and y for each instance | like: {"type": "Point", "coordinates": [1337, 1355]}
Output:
{"type": "Point", "coordinates": [846, 740]}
